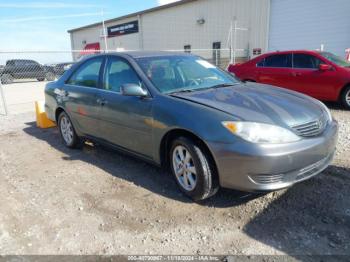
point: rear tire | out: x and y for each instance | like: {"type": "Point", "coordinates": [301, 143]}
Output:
{"type": "Point", "coordinates": [345, 97]}
{"type": "Point", "coordinates": [193, 169]}
{"type": "Point", "coordinates": [67, 131]}
{"type": "Point", "coordinates": [7, 79]}
{"type": "Point", "coordinates": [40, 79]}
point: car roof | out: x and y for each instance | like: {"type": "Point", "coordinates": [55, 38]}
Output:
{"type": "Point", "coordinates": [141, 54]}
{"type": "Point", "coordinates": [292, 51]}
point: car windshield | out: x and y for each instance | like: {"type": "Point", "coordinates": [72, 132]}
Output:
{"type": "Point", "coordinates": [171, 74]}
{"type": "Point", "coordinates": [335, 59]}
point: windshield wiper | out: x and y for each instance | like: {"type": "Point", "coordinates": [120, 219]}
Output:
{"type": "Point", "coordinates": [222, 85]}
{"type": "Point", "coordinates": [190, 90]}
{"type": "Point", "coordinates": [186, 90]}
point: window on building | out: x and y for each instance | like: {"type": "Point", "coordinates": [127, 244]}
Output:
{"type": "Point", "coordinates": [118, 73]}
{"type": "Point", "coordinates": [283, 60]}
{"type": "Point", "coordinates": [306, 61]}
{"type": "Point", "coordinates": [87, 74]}
{"type": "Point", "coordinates": [187, 48]}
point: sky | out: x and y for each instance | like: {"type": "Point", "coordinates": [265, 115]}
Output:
{"type": "Point", "coordinates": [43, 25]}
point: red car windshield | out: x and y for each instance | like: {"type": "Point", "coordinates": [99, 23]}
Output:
{"type": "Point", "coordinates": [335, 59]}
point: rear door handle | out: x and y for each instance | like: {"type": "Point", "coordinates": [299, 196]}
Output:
{"type": "Point", "coordinates": [295, 74]}
{"type": "Point", "coordinates": [102, 101]}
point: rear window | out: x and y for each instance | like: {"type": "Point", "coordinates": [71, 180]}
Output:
{"type": "Point", "coordinates": [87, 74]}
{"type": "Point", "coordinates": [283, 60]}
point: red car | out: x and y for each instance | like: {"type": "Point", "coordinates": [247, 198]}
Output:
{"type": "Point", "coordinates": [322, 75]}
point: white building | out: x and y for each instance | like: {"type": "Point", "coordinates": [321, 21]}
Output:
{"type": "Point", "coordinates": [204, 25]}
{"type": "Point", "coordinates": [186, 24]}
{"type": "Point", "coordinates": [308, 24]}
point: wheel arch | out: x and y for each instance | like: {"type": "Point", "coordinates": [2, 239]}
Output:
{"type": "Point", "coordinates": [171, 135]}
{"type": "Point", "coordinates": [249, 80]}
{"type": "Point", "coordinates": [342, 90]}
{"type": "Point", "coordinates": [58, 111]}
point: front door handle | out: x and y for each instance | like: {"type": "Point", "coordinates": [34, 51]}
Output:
{"type": "Point", "coordinates": [102, 101]}
{"type": "Point", "coordinates": [295, 74]}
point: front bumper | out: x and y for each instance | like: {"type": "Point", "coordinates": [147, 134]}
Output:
{"type": "Point", "coordinates": [252, 167]}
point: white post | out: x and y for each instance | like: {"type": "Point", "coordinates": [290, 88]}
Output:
{"type": "Point", "coordinates": [231, 43]}
{"type": "Point", "coordinates": [322, 47]}
{"type": "Point", "coordinates": [235, 42]}
{"type": "Point", "coordinates": [216, 57]}
{"type": "Point", "coordinates": [3, 99]}
{"type": "Point", "coordinates": [104, 32]}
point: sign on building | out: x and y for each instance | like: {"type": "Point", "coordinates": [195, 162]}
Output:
{"type": "Point", "coordinates": [123, 29]}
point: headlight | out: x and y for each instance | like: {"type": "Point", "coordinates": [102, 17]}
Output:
{"type": "Point", "coordinates": [261, 133]}
{"type": "Point", "coordinates": [328, 112]}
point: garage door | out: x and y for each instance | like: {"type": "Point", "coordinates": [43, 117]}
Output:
{"type": "Point", "coordinates": [301, 24]}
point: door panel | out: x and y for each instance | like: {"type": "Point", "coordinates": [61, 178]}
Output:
{"type": "Point", "coordinates": [81, 96]}
{"type": "Point", "coordinates": [20, 69]}
{"type": "Point", "coordinates": [83, 106]}
{"type": "Point", "coordinates": [125, 121]}
{"type": "Point", "coordinates": [308, 79]}
{"type": "Point", "coordinates": [276, 70]}
{"type": "Point", "coordinates": [281, 77]}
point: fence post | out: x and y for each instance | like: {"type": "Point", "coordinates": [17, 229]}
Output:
{"type": "Point", "coordinates": [216, 57]}
{"type": "Point", "coordinates": [2, 94]}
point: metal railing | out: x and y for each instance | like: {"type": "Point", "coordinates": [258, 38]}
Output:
{"type": "Point", "coordinates": [3, 104]}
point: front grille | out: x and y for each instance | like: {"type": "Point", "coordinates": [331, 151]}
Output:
{"type": "Point", "coordinates": [311, 129]}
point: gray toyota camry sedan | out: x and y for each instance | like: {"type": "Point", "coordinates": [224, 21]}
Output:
{"type": "Point", "coordinates": [181, 112]}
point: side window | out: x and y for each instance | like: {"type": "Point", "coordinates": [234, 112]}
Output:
{"type": "Point", "coordinates": [118, 73]}
{"type": "Point", "coordinates": [306, 61]}
{"type": "Point", "coordinates": [10, 63]}
{"type": "Point", "coordinates": [261, 63]}
{"type": "Point", "coordinates": [20, 62]}
{"type": "Point", "coordinates": [284, 60]}
{"type": "Point", "coordinates": [31, 63]}
{"type": "Point", "coordinates": [87, 74]}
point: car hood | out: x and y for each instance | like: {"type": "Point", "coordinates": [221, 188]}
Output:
{"type": "Point", "coordinates": [259, 103]}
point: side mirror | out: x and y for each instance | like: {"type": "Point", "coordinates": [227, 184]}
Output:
{"type": "Point", "coordinates": [325, 67]}
{"type": "Point", "coordinates": [133, 90]}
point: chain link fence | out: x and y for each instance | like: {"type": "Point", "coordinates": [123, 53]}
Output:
{"type": "Point", "coordinates": [24, 74]}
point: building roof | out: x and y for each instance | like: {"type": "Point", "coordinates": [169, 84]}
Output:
{"type": "Point", "coordinates": [181, 2]}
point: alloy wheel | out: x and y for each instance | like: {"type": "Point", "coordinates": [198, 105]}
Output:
{"type": "Point", "coordinates": [184, 168]}
{"type": "Point", "coordinates": [67, 130]}
{"type": "Point", "coordinates": [347, 97]}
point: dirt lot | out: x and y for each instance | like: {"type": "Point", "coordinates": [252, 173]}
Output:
{"type": "Point", "coordinates": [94, 201]}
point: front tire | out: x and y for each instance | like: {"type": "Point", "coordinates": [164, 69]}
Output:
{"type": "Point", "coordinates": [345, 97]}
{"type": "Point", "coordinates": [193, 169]}
{"type": "Point", "coordinates": [50, 76]}
{"type": "Point", "coordinates": [67, 131]}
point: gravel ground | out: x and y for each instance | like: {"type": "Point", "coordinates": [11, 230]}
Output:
{"type": "Point", "coordinates": [95, 201]}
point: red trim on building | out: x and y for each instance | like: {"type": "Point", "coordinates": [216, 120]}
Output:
{"type": "Point", "coordinates": [92, 48]}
